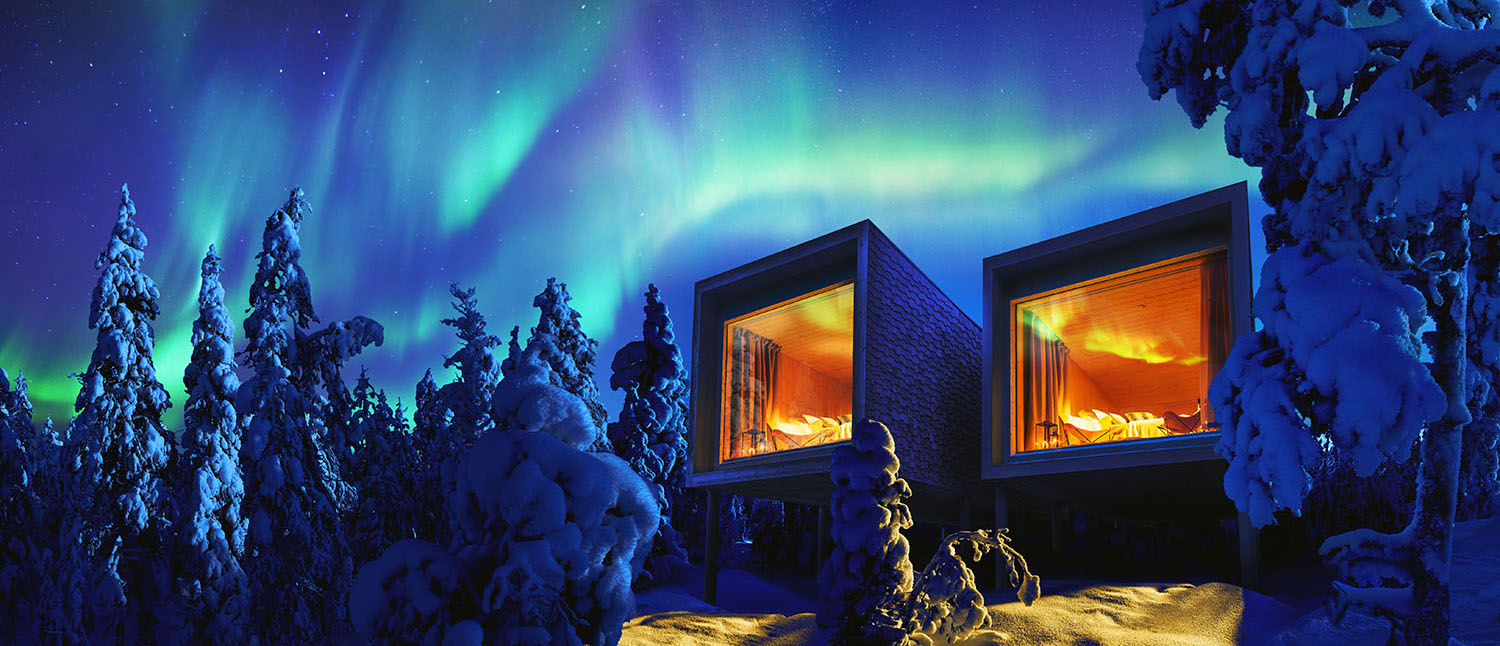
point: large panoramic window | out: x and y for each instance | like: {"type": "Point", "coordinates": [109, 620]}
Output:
{"type": "Point", "coordinates": [789, 375]}
{"type": "Point", "coordinates": [1120, 358]}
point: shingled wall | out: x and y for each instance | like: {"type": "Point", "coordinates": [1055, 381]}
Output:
{"type": "Point", "coordinates": [922, 370]}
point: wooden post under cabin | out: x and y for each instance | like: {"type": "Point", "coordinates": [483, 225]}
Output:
{"type": "Point", "coordinates": [711, 551]}
{"type": "Point", "coordinates": [1057, 527]}
{"type": "Point", "coordinates": [822, 540]}
{"type": "Point", "coordinates": [1249, 539]}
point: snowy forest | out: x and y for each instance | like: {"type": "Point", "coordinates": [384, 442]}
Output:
{"type": "Point", "coordinates": [296, 507]}
{"type": "Point", "coordinates": [505, 508]}
{"type": "Point", "coordinates": [503, 503]}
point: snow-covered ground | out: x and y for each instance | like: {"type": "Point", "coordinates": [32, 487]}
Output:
{"type": "Point", "coordinates": [753, 611]}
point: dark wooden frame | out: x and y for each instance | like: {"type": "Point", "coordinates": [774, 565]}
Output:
{"type": "Point", "coordinates": [926, 392]}
{"type": "Point", "coordinates": [1212, 219]}
{"type": "Point", "coordinates": [809, 266]}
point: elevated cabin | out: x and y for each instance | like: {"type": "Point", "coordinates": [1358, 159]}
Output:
{"type": "Point", "coordinates": [1099, 347]}
{"type": "Point", "coordinates": [790, 349]}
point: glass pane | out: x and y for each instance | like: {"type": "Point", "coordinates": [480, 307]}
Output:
{"type": "Point", "coordinates": [789, 375]}
{"type": "Point", "coordinates": [1125, 357]}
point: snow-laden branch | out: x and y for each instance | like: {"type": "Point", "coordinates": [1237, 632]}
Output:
{"type": "Point", "coordinates": [1374, 570]}
{"type": "Point", "coordinates": [945, 601]}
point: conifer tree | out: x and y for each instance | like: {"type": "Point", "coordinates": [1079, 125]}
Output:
{"type": "Point", "coordinates": [429, 417]}
{"type": "Point", "coordinates": [383, 474]}
{"type": "Point", "coordinates": [468, 398]}
{"type": "Point", "coordinates": [429, 420]}
{"type": "Point", "coordinates": [210, 530]}
{"type": "Point", "coordinates": [650, 434]}
{"type": "Point", "coordinates": [1376, 126]}
{"type": "Point", "coordinates": [119, 449]}
{"type": "Point", "coordinates": [869, 573]}
{"type": "Point", "coordinates": [570, 354]}
{"type": "Point", "coordinates": [19, 511]}
{"type": "Point", "coordinates": [19, 413]}
{"type": "Point", "coordinates": [296, 554]}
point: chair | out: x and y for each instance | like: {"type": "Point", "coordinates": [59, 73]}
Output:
{"type": "Point", "coordinates": [1181, 424]}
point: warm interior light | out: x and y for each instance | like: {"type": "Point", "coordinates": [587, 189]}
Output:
{"type": "Point", "coordinates": [788, 379]}
{"type": "Point", "coordinates": [1123, 357]}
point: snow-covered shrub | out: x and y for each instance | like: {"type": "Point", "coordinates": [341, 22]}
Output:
{"type": "Point", "coordinates": [869, 574]}
{"type": "Point", "coordinates": [547, 536]}
{"type": "Point", "coordinates": [212, 592]}
{"type": "Point", "coordinates": [868, 595]}
{"type": "Point", "coordinates": [945, 605]}
{"type": "Point", "coordinates": [296, 555]}
{"type": "Point", "coordinates": [410, 595]}
{"type": "Point", "coordinates": [553, 536]}
{"type": "Point", "coordinates": [651, 432]}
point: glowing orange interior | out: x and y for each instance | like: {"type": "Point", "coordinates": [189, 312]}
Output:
{"type": "Point", "coordinates": [1124, 357]}
{"type": "Point", "coordinates": [788, 379]}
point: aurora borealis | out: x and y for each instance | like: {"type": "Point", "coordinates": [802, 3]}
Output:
{"type": "Point", "coordinates": [608, 144]}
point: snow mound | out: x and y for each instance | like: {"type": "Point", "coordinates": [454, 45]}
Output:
{"type": "Point", "coordinates": [1124, 615]}
{"type": "Point", "coordinates": [691, 629]}
{"type": "Point", "coordinates": [1214, 613]}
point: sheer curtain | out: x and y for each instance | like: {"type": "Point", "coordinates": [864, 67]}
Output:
{"type": "Point", "coordinates": [1215, 326]}
{"type": "Point", "coordinates": [752, 386]}
{"type": "Point", "coordinates": [1045, 358]}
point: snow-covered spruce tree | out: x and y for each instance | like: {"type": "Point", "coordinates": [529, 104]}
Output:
{"type": "Point", "coordinates": [16, 411]}
{"type": "Point", "coordinates": [650, 434]}
{"type": "Point", "coordinates": [869, 574]}
{"type": "Point", "coordinates": [296, 556]}
{"type": "Point", "coordinates": [1375, 128]}
{"type": "Point", "coordinates": [318, 374]}
{"type": "Point", "coordinates": [45, 452]}
{"type": "Point", "coordinates": [571, 354]}
{"type": "Point", "coordinates": [20, 509]}
{"type": "Point", "coordinates": [212, 592]}
{"type": "Point", "coordinates": [429, 416]}
{"type": "Point", "coordinates": [1479, 473]}
{"type": "Point", "coordinates": [115, 498]}
{"type": "Point", "coordinates": [384, 474]}
{"type": "Point", "coordinates": [429, 419]}
{"type": "Point", "coordinates": [468, 398]}
{"type": "Point", "coordinates": [546, 537]}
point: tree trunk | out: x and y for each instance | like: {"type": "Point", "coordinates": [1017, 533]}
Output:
{"type": "Point", "coordinates": [1437, 480]}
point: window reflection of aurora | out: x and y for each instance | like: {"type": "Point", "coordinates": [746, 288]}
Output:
{"type": "Point", "coordinates": [788, 375]}
{"type": "Point", "coordinates": [1127, 356]}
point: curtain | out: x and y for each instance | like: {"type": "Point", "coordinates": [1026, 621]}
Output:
{"type": "Point", "coordinates": [1215, 324]}
{"type": "Point", "coordinates": [752, 385]}
{"type": "Point", "coordinates": [767, 360]}
{"type": "Point", "coordinates": [1045, 358]}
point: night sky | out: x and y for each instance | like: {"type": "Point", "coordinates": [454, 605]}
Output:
{"type": "Point", "coordinates": [608, 144]}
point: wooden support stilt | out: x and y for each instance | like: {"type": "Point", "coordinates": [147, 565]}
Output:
{"type": "Point", "coordinates": [1249, 538]}
{"type": "Point", "coordinates": [1057, 527]}
{"type": "Point", "coordinates": [711, 553]}
{"type": "Point", "coordinates": [822, 551]}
